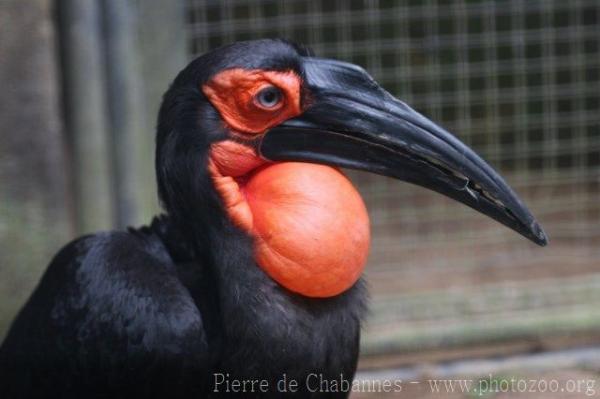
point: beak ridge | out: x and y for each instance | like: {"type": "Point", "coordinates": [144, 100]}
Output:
{"type": "Point", "coordinates": [352, 122]}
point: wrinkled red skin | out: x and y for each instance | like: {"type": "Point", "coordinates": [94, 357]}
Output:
{"type": "Point", "coordinates": [312, 227]}
{"type": "Point", "coordinates": [309, 224]}
{"type": "Point", "coordinates": [232, 92]}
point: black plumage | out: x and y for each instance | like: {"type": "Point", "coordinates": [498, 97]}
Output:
{"type": "Point", "coordinates": [156, 311]}
{"type": "Point", "coordinates": [163, 310]}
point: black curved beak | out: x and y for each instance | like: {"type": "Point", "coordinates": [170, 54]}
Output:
{"type": "Point", "coordinates": [351, 122]}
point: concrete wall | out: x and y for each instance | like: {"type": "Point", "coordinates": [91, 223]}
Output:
{"type": "Point", "coordinates": [34, 197]}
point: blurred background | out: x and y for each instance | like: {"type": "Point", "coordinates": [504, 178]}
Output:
{"type": "Point", "coordinates": [519, 81]}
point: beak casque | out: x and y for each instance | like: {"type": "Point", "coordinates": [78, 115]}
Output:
{"type": "Point", "coordinates": [351, 122]}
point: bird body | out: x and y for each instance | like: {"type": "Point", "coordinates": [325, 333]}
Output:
{"type": "Point", "coordinates": [252, 276]}
{"type": "Point", "coordinates": [133, 314]}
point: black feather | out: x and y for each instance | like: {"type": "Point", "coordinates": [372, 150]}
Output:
{"type": "Point", "coordinates": [157, 311]}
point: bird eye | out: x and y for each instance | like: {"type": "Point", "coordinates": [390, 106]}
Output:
{"type": "Point", "coordinates": [269, 97]}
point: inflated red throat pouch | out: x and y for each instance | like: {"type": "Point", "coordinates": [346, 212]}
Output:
{"type": "Point", "coordinates": [310, 225]}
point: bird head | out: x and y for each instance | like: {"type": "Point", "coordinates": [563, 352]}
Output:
{"type": "Point", "coordinates": [262, 127]}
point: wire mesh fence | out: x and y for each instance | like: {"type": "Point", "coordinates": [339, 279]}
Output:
{"type": "Point", "coordinates": [519, 81]}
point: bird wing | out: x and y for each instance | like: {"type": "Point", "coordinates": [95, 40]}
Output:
{"type": "Point", "coordinates": [109, 310]}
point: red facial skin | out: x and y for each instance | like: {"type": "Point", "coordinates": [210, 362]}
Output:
{"type": "Point", "coordinates": [309, 224]}
{"type": "Point", "coordinates": [233, 93]}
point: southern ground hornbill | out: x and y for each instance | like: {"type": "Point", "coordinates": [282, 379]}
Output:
{"type": "Point", "coordinates": [254, 272]}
